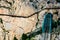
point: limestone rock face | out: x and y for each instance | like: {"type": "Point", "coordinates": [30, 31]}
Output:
{"type": "Point", "coordinates": [16, 26]}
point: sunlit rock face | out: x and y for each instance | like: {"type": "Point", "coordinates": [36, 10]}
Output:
{"type": "Point", "coordinates": [14, 26]}
{"type": "Point", "coordinates": [17, 26]}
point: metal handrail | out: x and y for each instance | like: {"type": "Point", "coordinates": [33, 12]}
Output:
{"type": "Point", "coordinates": [29, 15]}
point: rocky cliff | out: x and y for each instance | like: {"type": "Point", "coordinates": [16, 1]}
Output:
{"type": "Point", "coordinates": [21, 17]}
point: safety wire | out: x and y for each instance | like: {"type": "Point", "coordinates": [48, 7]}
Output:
{"type": "Point", "coordinates": [29, 15]}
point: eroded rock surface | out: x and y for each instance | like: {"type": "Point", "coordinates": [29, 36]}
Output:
{"type": "Point", "coordinates": [14, 26]}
